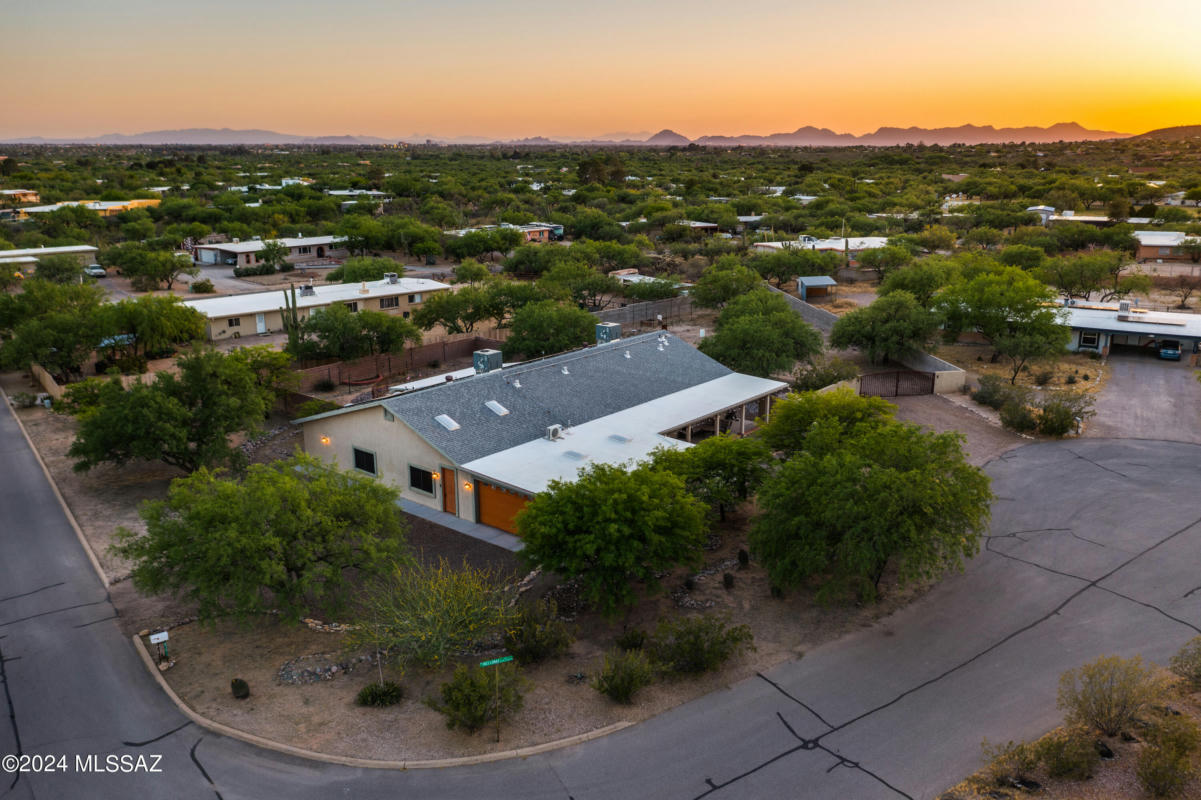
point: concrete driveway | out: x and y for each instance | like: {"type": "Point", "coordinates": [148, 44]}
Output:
{"type": "Point", "coordinates": [1148, 398]}
{"type": "Point", "coordinates": [1093, 550]}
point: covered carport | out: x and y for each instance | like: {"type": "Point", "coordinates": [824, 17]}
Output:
{"type": "Point", "coordinates": [811, 286]}
{"type": "Point", "coordinates": [1128, 331]}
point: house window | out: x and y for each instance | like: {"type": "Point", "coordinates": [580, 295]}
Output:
{"type": "Point", "coordinates": [364, 461]}
{"type": "Point", "coordinates": [1165, 251]}
{"type": "Point", "coordinates": [1089, 338]}
{"type": "Point", "coordinates": [304, 251]}
{"type": "Point", "coordinates": [234, 322]}
{"type": "Point", "coordinates": [389, 416]}
{"type": "Point", "coordinates": [249, 258]}
{"type": "Point", "coordinates": [421, 480]}
{"type": "Point", "coordinates": [406, 315]}
{"type": "Point", "coordinates": [414, 298]}
{"type": "Point", "coordinates": [389, 302]}
{"type": "Point", "coordinates": [353, 306]}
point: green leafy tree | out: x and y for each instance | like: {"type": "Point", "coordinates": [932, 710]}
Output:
{"type": "Point", "coordinates": [457, 312]}
{"type": "Point", "coordinates": [363, 268]}
{"type": "Point", "coordinates": [759, 334]}
{"type": "Point", "coordinates": [723, 281]}
{"type": "Point", "coordinates": [60, 341]}
{"type": "Point", "coordinates": [274, 254]}
{"type": "Point", "coordinates": [795, 417]}
{"type": "Point", "coordinates": [59, 269]}
{"type": "Point", "coordinates": [936, 237]}
{"type": "Point", "coordinates": [1191, 247]}
{"type": "Point", "coordinates": [849, 505]}
{"type": "Point", "coordinates": [546, 327]}
{"type": "Point", "coordinates": [1012, 310]}
{"type": "Point", "coordinates": [1103, 272]}
{"type": "Point", "coordinates": [610, 526]}
{"type": "Point", "coordinates": [153, 269]}
{"type": "Point", "coordinates": [883, 260]}
{"type": "Point", "coordinates": [154, 324]}
{"type": "Point", "coordinates": [922, 279]}
{"type": "Point", "coordinates": [586, 287]}
{"type": "Point", "coordinates": [388, 333]}
{"type": "Point", "coordinates": [894, 326]}
{"type": "Point", "coordinates": [471, 272]}
{"type": "Point", "coordinates": [286, 538]}
{"type": "Point", "coordinates": [505, 297]}
{"type": "Point", "coordinates": [1021, 255]}
{"type": "Point", "coordinates": [183, 420]}
{"type": "Point", "coordinates": [721, 471]}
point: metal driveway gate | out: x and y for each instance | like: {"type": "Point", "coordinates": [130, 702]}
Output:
{"type": "Point", "coordinates": [898, 383]}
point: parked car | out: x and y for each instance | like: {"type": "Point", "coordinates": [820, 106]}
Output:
{"type": "Point", "coordinates": [1169, 349]}
{"type": "Point", "coordinates": [95, 271]}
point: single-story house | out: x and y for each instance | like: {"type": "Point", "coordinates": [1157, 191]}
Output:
{"type": "Point", "coordinates": [697, 225]}
{"type": "Point", "coordinates": [536, 234]}
{"type": "Point", "coordinates": [236, 315]}
{"type": "Point", "coordinates": [19, 196]}
{"type": "Point", "coordinates": [301, 250]}
{"type": "Point", "coordinates": [851, 246]}
{"type": "Point", "coordinates": [105, 208]}
{"type": "Point", "coordinates": [479, 447]}
{"type": "Point", "coordinates": [84, 252]}
{"type": "Point", "coordinates": [1158, 246]}
{"type": "Point", "coordinates": [815, 286]}
{"type": "Point", "coordinates": [1102, 327]}
{"type": "Point", "coordinates": [370, 194]}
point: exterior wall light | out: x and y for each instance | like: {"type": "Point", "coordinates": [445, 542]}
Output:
{"type": "Point", "coordinates": [325, 440]}
{"type": "Point", "coordinates": [467, 486]}
{"type": "Point", "coordinates": [436, 476]}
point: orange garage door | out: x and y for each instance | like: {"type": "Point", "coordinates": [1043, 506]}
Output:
{"type": "Point", "coordinates": [499, 506]}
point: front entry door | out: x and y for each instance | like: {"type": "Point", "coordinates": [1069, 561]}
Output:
{"type": "Point", "coordinates": [450, 490]}
{"type": "Point", "coordinates": [260, 323]}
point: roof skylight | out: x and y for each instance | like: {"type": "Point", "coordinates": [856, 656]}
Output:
{"type": "Point", "coordinates": [496, 408]}
{"type": "Point", "coordinates": [446, 422]}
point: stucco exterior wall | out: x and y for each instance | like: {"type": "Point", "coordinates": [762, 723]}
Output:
{"type": "Point", "coordinates": [396, 448]}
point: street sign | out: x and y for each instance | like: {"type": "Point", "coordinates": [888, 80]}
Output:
{"type": "Point", "coordinates": [496, 661]}
{"type": "Point", "coordinates": [158, 638]}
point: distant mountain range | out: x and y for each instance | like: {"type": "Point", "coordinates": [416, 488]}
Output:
{"type": "Point", "coordinates": [205, 136]}
{"type": "Point", "coordinates": [807, 136]}
{"type": "Point", "coordinates": [1172, 134]}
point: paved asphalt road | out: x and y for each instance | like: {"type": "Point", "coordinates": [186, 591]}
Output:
{"type": "Point", "coordinates": [1148, 398]}
{"type": "Point", "coordinates": [1093, 550]}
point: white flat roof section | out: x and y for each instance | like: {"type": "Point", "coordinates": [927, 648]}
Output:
{"type": "Point", "coordinates": [257, 302]}
{"type": "Point", "coordinates": [629, 435]}
{"type": "Point", "coordinates": [1159, 238]}
{"type": "Point", "coordinates": [71, 249]}
{"type": "Point", "coordinates": [1147, 323]}
{"type": "Point", "coordinates": [255, 245]}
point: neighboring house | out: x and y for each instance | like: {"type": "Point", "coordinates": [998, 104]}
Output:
{"type": "Point", "coordinates": [479, 447]}
{"type": "Point", "coordinates": [19, 196]}
{"type": "Point", "coordinates": [236, 315]}
{"type": "Point", "coordinates": [301, 250]}
{"type": "Point", "coordinates": [1159, 246]}
{"type": "Point", "coordinates": [84, 252]}
{"type": "Point", "coordinates": [696, 225]}
{"type": "Point", "coordinates": [851, 246]}
{"type": "Point", "coordinates": [1044, 213]}
{"type": "Point", "coordinates": [105, 208]}
{"type": "Point", "coordinates": [1101, 327]}
{"type": "Point", "coordinates": [369, 194]}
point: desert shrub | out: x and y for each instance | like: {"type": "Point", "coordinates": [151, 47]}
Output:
{"type": "Point", "coordinates": [995, 392]}
{"type": "Point", "coordinates": [727, 580]}
{"type": "Point", "coordinates": [131, 364]}
{"type": "Point", "coordinates": [623, 673]}
{"type": "Point", "coordinates": [1057, 413]}
{"type": "Point", "coordinates": [1187, 662]}
{"type": "Point", "coordinates": [1017, 416]}
{"type": "Point", "coordinates": [254, 269]}
{"type": "Point", "coordinates": [744, 558]}
{"type": "Point", "coordinates": [240, 688]}
{"type": "Point", "coordinates": [1085, 376]}
{"type": "Point", "coordinates": [428, 613]}
{"type": "Point", "coordinates": [1109, 693]}
{"type": "Point", "coordinates": [823, 372]}
{"type": "Point", "coordinates": [203, 286]}
{"type": "Point", "coordinates": [1071, 379]}
{"type": "Point", "coordinates": [81, 399]}
{"type": "Point", "coordinates": [313, 407]}
{"type": "Point", "coordinates": [380, 695]}
{"type": "Point", "coordinates": [1068, 753]}
{"type": "Point", "coordinates": [325, 385]}
{"type": "Point", "coordinates": [23, 399]}
{"type": "Point", "coordinates": [286, 266]}
{"type": "Point", "coordinates": [470, 699]}
{"type": "Point", "coordinates": [1174, 732]}
{"type": "Point", "coordinates": [693, 645]}
{"type": "Point", "coordinates": [1009, 762]}
{"type": "Point", "coordinates": [1163, 773]}
{"type": "Point", "coordinates": [1045, 377]}
{"type": "Point", "coordinates": [538, 634]}
{"type": "Point", "coordinates": [632, 639]}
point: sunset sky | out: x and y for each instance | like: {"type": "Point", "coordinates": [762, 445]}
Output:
{"type": "Point", "coordinates": [513, 68]}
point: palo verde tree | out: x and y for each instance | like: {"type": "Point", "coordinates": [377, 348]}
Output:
{"type": "Point", "coordinates": [610, 526]}
{"type": "Point", "coordinates": [891, 328]}
{"type": "Point", "coordinates": [456, 312]}
{"type": "Point", "coordinates": [183, 420]}
{"type": "Point", "coordinates": [724, 280]}
{"type": "Point", "coordinates": [853, 502]}
{"type": "Point", "coordinates": [722, 471]}
{"type": "Point", "coordinates": [283, 538]}
{"type": "Point", "coordinates": [274, 254]}
{"type": "Point", "coordinates": [547, 327]}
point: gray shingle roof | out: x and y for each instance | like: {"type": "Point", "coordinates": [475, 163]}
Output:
{"type": "Point", "coordinates": [600, 381]}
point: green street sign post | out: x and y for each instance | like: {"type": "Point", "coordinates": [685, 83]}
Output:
{"type": "Point", "coordinates": [496, 662]}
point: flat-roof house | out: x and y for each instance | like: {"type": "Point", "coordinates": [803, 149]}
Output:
{"type": "Point", "coordinates": [479, 447]}
{"type": "Point", "coordinates": [851, 246]}
{"type": "Point", "coordinates": [1103, 327]}
{"type": "Point", "coordinates": [236, 315]}
{"type": "Point", "coordinates": [19, 196]}
{"type": "Point", "coordinates": [105, 208]}
{"type": "Point", "coordinates": [1157, 246]}
{"type": "Point", "coordinates": [84, 252]}
{"type": "Point", "coordinates": [301, 250]}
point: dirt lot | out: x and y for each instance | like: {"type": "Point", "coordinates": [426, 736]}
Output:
{"type": "Point", "coordinates": [1087, 373]}
{"type": "Point", "coordinates": [984, 438]}
{"type": "Point", "coordinates": [556, 705]}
